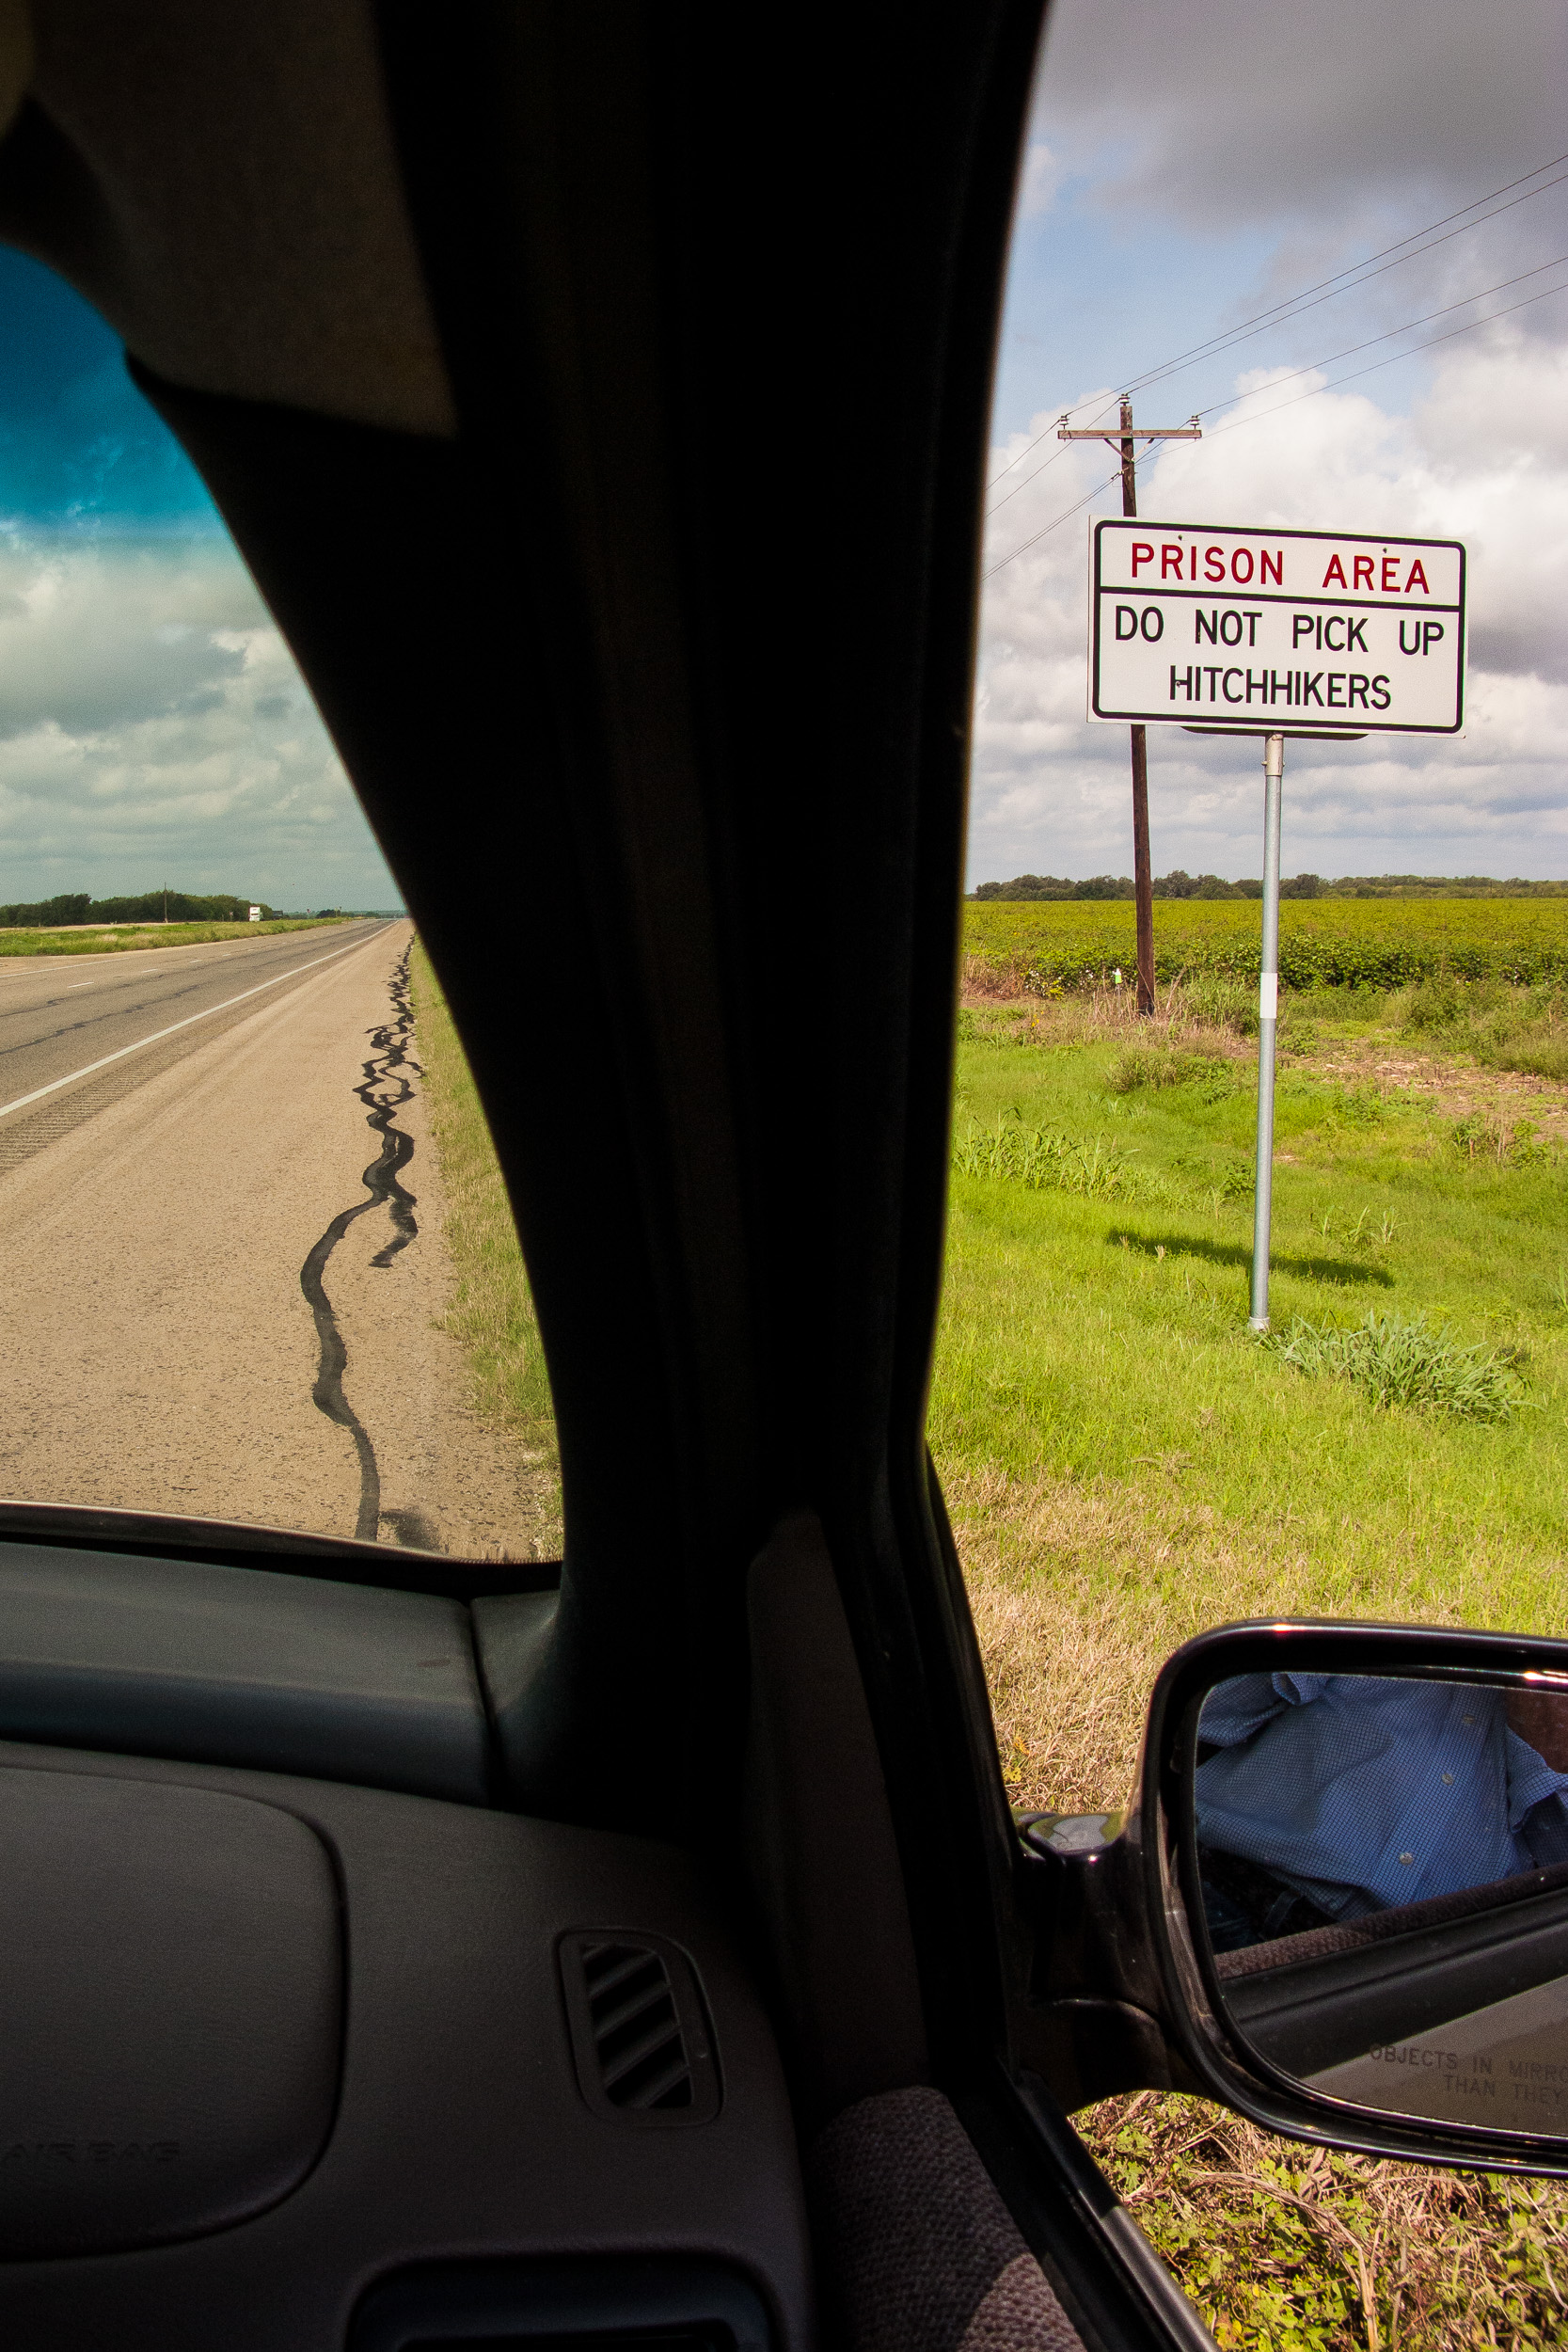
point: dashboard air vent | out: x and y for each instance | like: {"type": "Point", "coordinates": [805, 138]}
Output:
{"type": "Point", "coordinates": [639, 2032]}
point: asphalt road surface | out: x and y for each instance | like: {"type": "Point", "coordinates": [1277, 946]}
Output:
{"type": "Point", "coordinates": [222, 1270]}
{"type": "Point", "coordinates": [76, 1031]}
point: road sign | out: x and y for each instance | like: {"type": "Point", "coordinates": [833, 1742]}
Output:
{"type": "Point", "coordinates": [1308, 632]}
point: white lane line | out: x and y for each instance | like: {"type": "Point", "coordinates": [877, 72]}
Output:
{"type": "Point", "coordinates": [88, 1068]}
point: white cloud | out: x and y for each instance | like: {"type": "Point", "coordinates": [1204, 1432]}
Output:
{"type": "Point", "coordinates": [153, 728]}
{"type": "Point", "coordinates": [1482, 457]}
{"type": "Point", "coordinates": [1041, 178]}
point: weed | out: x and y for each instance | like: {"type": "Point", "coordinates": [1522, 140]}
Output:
{"type": "Point", "coordinates": [1361, 1235]}
{"type": "Point", "coordinates": [1439, 1007]}
{"type": "Point", "coordinates": [1042, 1158]}
{"type": "Point", "coordinates": [1166, 1066]}
{"type": "Point", "coordinates": [1357, 1106]}
{"type": "Point", "coordinates": [1484, 1137]}
{"type": "Point", "coordinates": [1546, 1058]}
{"type": "Point", "coordinates": [1002, 1026]}
{"type": "Point", "coordinates": [1221, 1004]}
{"type": "Point", "coordinates": [1399, 1363]}
{"type": "Point", "coordinates": [1301, 2249]}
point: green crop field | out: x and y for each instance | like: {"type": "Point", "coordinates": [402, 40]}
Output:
{"type": "Point", "coordinates": [1383, 942]}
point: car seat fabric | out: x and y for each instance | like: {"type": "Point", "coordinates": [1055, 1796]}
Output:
{"type": "Point", "coordinates": [916, 2251]}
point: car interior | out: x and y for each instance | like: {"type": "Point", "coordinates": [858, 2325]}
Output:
{"type": "Point", "coordinates": [408, 1950]}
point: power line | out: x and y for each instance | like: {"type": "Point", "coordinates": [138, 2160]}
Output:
{"type": "Point", "coordinates": [1298, 305]}
{"type": "Point", "coordinates": [1431, 344]}
{"type": "Point", "coordinates": [1045, 468]}
{"type": "Point", "coordinates": [1045, 435]}
{"type": "Point", "coordinates": [1061, 519]}
{"type": "Point", "coordinates": [1349, 352]}
{"type": "Point", "coordinates": [1274, 314]}
{"type": "Point", "coordinates": [1410, 325]}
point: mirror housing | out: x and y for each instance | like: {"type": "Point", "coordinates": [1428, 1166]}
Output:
{"type": "Point", "coordinates": [1129, 1990]}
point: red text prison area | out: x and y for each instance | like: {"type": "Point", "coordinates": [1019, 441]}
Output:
{"type": "Point", "coordinates": [1396, 575]}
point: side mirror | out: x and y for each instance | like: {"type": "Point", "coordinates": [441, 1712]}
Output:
{"type": "Point", "coordinates": [1355, 1860]}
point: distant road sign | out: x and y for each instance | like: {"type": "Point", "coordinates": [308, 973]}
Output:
{"type": "Point", "coordinates": [1305, 631]}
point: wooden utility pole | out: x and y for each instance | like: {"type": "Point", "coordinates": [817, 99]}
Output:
{"type": "Point", "coordinates": [1143, 871]}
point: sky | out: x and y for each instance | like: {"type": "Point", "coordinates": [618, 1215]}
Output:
{"type": "Point", "coordinates": [1187, 171]}
{"type": "Point", "coordinates": [153, 728]}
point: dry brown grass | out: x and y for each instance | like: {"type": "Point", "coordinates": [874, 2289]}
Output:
{"type": "Point", "coordinates": [995, 979]}
{"type": "Point", "coordinates": [1079, 1594]}
{"type": "Point", "coordinates": [1080, 1013]}
{"type": "Point", "coordinates": [1190, 1017]}
{"type": "Point", "coordinates": [1284, 2246]}
{"type": "Point", "coordinates": [1071, 1641]}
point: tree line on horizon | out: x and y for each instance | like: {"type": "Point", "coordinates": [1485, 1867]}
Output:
{"type": "Point", "coordinates": [73, 907]}
{"type": "Point", "coordinates": [1179, 884]}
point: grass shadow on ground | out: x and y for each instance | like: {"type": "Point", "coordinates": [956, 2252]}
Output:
{"type": "Point", "coordinates": [1345, 1271]}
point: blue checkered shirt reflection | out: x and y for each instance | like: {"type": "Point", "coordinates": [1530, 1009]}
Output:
{"type": "Point", "coordinates": [1362, 1791]}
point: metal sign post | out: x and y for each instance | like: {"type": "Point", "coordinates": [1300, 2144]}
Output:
{"type": "Point", "coordinates": [1268, 1026]}
{"type": "Point", "coordinates": [1268, 1006]}
{"type": "Point", "coordinates": [1306, 634]}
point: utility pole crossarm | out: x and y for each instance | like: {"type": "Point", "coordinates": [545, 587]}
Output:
{"type": "Point", "coordinates": [1192, 431]}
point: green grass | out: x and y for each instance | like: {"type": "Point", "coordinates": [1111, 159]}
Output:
{"type": "Point", "coordinates": [1407, 1363]}
{"type": "Point", "coordinates": [491, 1314]}
{"type": "Point", "coordinates": [1094, 1326]}
{"type": "Point", "coordinates": [1125, 1466]}
{"type": "Point", "coordinates": [1383, 942]}
{"type": "Point", "coordinates": [129, 935]}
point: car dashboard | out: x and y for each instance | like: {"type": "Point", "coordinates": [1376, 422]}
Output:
{"type": "Point", "coordinates": [312, 2040]}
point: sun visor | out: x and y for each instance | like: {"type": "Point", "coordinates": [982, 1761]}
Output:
{"type": "Point", "coordinates": [221, 181]}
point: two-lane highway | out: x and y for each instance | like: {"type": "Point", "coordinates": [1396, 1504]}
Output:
{"type": "Point", "coordinates": [76, 1031]}
{"type": "Point", "coordinates": [223, 1268]}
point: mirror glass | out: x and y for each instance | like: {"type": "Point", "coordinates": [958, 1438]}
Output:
{"type": "Point", "coordinates": [1384, 1871]}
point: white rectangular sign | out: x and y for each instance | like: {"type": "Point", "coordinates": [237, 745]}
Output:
{"type": "Point", "coordinates": [1303, 631]}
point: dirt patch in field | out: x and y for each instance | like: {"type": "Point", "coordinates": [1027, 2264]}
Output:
{"type": "Point", "coordinates": [1456, 1088]}
{"type": "Point", "coordinates": [1450, 1085]}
